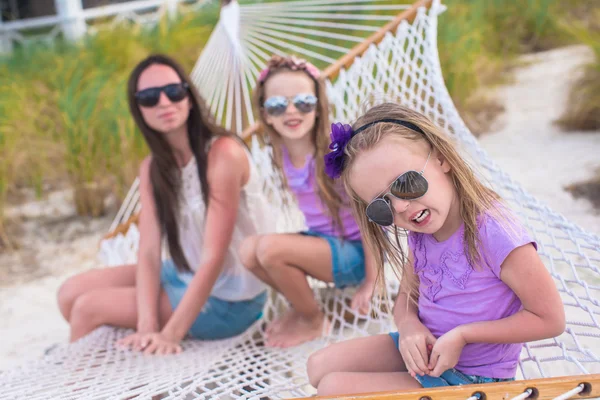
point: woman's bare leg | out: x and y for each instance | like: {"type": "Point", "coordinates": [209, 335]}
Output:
{"type": "Point", "coordinates": [104, 296]}
{"type": "Point", "coordinates": [111, 306]}
{"type": "Point", "coordinates": [75, 286]}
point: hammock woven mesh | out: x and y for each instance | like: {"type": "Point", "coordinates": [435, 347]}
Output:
{"type": "Point", "coordinates": [405, 66]}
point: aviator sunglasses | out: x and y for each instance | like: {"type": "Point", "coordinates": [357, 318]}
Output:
{"type": "Point", "coordinates": [411, 185]}
{"type": "Point", "coordinates": [276, 105]}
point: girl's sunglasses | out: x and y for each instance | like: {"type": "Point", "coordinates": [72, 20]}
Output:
{"type": "Point", "coordinates": [277, 105]}
{"type": "Point", "coordinates": [150, 97]}
{"type": "Point", "coordinates": [411, 185]}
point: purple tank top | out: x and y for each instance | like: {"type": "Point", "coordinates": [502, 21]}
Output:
{"type": "Point", "coordinates": [453, 293]}
{"type": "Point", "coordinates": [302, 183]}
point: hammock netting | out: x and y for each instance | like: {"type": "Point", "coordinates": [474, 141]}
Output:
{"type": "Point", "coordinates": [403, 66]}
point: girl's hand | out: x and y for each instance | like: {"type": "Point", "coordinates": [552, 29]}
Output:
{"type": "Point", "coordinates": [415, 341]}
{"type": "Point", "coordinates": [361, 301]}
{"type": "Point", "coordinates": [151, 343]}
{"type": "Point", "coordinates": [446, 352]}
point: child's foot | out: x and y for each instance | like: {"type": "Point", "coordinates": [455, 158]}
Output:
{"type": "Point", "coordinates": [274, 327]}
{"type": "Point", "coordinates": [295, 329]}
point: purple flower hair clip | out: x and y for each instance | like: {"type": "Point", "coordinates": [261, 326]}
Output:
{"type": "Point", "coordinates": [334, 160]}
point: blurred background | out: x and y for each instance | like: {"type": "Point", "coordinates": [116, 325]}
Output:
{"type": "Point", "coordinates": [524, 75]}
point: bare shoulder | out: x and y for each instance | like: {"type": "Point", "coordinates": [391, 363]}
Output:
{"type": "Point", "coordinates": [226, 149]}
{"type": "Point", "coordinates": [145, 169]}
{"type": "Point", "coordinates": [145, 188]}
{"type": "Point", "coordinates": [228, 156]}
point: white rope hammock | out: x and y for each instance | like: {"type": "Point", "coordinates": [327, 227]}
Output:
{"type": "Point", "coordinates": [404, 65]}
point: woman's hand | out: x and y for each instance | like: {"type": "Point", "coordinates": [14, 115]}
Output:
{"type": "Point", "coordinates": [151, 343]}
{"type": "Point", "coordinates": [149, 326]}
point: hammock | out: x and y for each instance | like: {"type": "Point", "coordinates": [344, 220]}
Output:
{"type": "Point", "coordinates": [399, 60]}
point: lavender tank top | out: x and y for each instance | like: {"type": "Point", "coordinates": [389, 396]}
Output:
{"type": "Point", "coordinates": [302, 183]}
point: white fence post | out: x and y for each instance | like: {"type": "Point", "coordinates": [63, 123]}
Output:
{"type": "Point", "coordinates": [5, 41]}
{"type": "Point", "coordinates": [171, 8]}
{"type": "Point", "coordinates": [71, 14]}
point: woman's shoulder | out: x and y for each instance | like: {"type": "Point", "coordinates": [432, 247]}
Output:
{"type": "Point", "coordinates": [228, 155]}
{"type": "Point", "coordinates": [226, 147]}
{"type": "Point", "coordinates": [144, 171]}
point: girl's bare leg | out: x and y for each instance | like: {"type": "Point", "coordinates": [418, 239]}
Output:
{"type": "Point", "coordinates": [363, 365]}
{"type": "Point", "coordinates": [283, 261]}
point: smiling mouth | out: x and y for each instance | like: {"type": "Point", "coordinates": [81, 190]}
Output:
{"type": "Point", "coordinates": [293, 123]}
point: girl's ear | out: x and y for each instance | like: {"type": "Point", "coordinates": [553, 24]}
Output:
{"type": "Point", "coordinates": [442, 162]}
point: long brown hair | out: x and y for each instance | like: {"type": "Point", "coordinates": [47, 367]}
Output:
{"type": "Point", "coordinates": [474, 197]}
{"type": "Point", "coordinates": [327, 190]}
{"type": "Point", "coordinates": [164, 173]}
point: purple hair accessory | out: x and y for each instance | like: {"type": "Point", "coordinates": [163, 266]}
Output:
{"type": "Point", "coordinates": [334, 160]}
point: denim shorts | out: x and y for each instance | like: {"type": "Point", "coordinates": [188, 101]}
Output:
{"type": "Point", "coordinates": [451, 377]}
{"type": "Point", "coordinates": [348, 258]}
{"type": "Point", "coordinates": [219, 319]}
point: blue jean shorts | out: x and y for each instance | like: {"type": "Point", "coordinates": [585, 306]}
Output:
{"type": "Point", "coordinates": [348, 258]}
{"type": "Point", "coordinates": [451, 377]}
{"type": "Point", "coordinates": [219, 319]}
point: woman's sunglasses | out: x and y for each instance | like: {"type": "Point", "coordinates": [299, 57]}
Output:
{"type": "Point", "coordinates": [411, 185]}
{"type": "Point", "coordinates": [150, 97]}
{"type": "Point", "coordinates": [277, 105]}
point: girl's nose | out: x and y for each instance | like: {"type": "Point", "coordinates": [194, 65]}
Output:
{"type": "Point", "coordinates": [291, 108]}
{"type": "Point", "coordinates": [399, 205]}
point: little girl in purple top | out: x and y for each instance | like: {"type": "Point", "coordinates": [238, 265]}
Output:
{"type": "Point", "coordinates": [473, 287]}
{"type": "Point", "coordinates": [292, 106]}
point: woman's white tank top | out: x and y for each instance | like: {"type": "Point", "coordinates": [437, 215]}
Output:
{"type": "Point", "coordinates": [235, 283]}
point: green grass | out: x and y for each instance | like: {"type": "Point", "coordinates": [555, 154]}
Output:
{"type": "Point", "coordinates": [63, 108]}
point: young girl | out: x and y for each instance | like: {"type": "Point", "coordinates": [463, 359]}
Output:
{"type": "Point", "coordinates": [472, 287]}
{"type": "Point", "coordinates": [293, 108]}
{"type": "Point", "coordinates": [199, 193]}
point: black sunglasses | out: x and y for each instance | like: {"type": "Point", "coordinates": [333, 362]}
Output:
{"type": "Point", "coordinates": [411, 185]}
{"type": "Point", "coordinates": [276, 105]}
{"type": "Point", "coordinates": [150, 97]}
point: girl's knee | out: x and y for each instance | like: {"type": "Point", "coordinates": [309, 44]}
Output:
{"type": "Point", "coordinates": [247, 252]}
{"type": "Point", "coordinates": [268, 252]}
{"type": "Point", "coordinates": [316, 367]}
{"type": "Point", "coordinates": [331, 384]}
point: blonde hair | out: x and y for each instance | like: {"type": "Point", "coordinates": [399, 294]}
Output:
{"type": "Point", "coordinates": [327, 190]}
{"type": "Point", "coordinates": [474, 197]}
